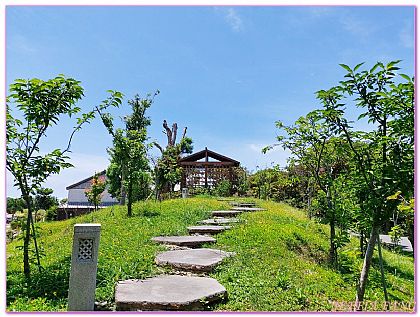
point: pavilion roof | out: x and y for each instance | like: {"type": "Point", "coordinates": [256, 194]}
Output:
{"type": "Point", "coordinates": [195, 157]}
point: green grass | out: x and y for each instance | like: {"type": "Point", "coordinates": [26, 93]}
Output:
{"type": "Point", "coordinates": [280, 262]}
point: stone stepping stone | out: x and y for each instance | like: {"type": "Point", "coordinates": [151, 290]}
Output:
{"type": "Point", "coordinates": [219, 221]}
{"type": "Point", "coordinates": [247, 209]}
{"type": "Point", "coordinates": [168, 292]}
{"type": "Point", "coordinates": [207, 229]}
{"type": "Point", "coordinates": [184, 241]}
{"type": "Point", "coordinates": [201, 260]}
{"type": "Point", "coordinates": [225, 213]}
{"type": "Point", "coordinates": [243, 204]}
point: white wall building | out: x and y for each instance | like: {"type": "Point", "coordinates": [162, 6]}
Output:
{"type": "Point", "coordinates": [77, 197]}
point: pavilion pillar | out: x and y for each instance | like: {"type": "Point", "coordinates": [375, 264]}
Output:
{"type": "Point", "coordinates": [205, 169]}
{"type": "Point", "coordinates": [183, 177]}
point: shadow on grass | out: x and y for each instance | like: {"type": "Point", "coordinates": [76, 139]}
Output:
{"type": "Point", "coordinates": [149, 213]}
{"type": "Point", "coordinates": [51, 283]}
{"type": "Point", "coordinates": [399, 250]}
{"type": "Point", "coordinates": [394, 270]}
{"type": "Point", "coordinates": [302, 248]}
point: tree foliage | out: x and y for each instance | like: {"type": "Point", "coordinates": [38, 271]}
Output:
{"type": "Point", "coordinates": [362, 179]}
{"type": "Point", "coordinates": [94, 192]}
{"type": "Point", "coordinates": [314, 148]}
{"type": "Point", "coordinates": [44, 199]}
{"type": "Point", "coordinates": [40, 105]}
{"type": "Point", "coordinates": [15, 204]}
{"type": "Point", "coordinates": [128, 172]}
{"type": "Point", "coordinates": [167, 172]}
{"type": "Point", "coordinates": [385, 161]}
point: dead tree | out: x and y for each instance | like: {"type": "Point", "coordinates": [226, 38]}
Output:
{"type": "Point", "coordinates": [171, 134]}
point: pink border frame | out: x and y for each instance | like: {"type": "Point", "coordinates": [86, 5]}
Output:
{"type": "Point", "coordinates": [234, 5]}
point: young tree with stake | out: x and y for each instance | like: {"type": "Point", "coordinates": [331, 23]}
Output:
{"type": "Point", "coordinates": [384, 159]}
{"type": "Point", "coordinates": [129, 163]}
{"type": "Point", "coordinates": [41, 104]}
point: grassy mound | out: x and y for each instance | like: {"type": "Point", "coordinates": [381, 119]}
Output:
{"type": "Point", "coordinates": [280, 265]}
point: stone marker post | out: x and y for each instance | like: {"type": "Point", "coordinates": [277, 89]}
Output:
{"type": "Point", "coordinates": [84, 263]}
{"type": "Point", "coordinates": [185, 192]}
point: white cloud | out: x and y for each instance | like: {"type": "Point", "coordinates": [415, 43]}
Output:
{"type": "Point", "coordinates": [256, 147]}
{"type": "Point", "coordinates": [20, 44]}
{"type": "Point", "coordinates": [276, 156]}
{"type": "Point", "coordinates": [85, 165]}
{"type": "Point", "coordinates": [251, 157]}
{"type": "Point", "coordinates": [357, 27]}
{"type": "Point", "coordinates": [232, 18]}
{"type": "Point", "coordinates": [407, 35]}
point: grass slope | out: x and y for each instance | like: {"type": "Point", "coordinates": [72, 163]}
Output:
{"type": "Point", "coordinates": [280, 263]}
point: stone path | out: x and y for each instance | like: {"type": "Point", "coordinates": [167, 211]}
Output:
{"type": "Point", "coordinates": [247, 209]}
{"type": "Point", "coordinates": [243, 204]}
{"type": "Point", "coordinates": [176, 292]}
{"type": "Point", "coordinates": [225, 213]}
{"type": "Point", "coordinates": [198, 260]}
{"type": "Point", "coordinates": [185, 241]}
{"type": "Point", "coordinates": [168, 292]}
{"type": "Point", "coordinates": [219, 221]}
{"type": "Point", "coordinates": [209, 229]}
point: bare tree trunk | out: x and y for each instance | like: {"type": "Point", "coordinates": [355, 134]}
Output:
{"type": "Point", "coordinates": [168, 132]}
{"type": "Point", "coordinates": [362, 244]}
{"type": "Point", "coordinates": [158, 146]}
{"type": "Point", "coordinates": [26, 240]}
{"type": "Point", "coordinates": [156, 185]}
{"type": "Point", "coordinates": [36, 245]}
{"type": "Point", "coordinates": [382, 273]}
{"type": "Point", "coordinates": [130, 199]}
{"type": "Point", "coordinates": [411, 234]}
{"type": "Point", "coordinates": [184, 133]}
{"type": "Point", "coordinates": [122, 191]}
{"type": "Point", "coordinates": [333, 248]}
{"type": "Point", "coordinates": [174, 132]}
{"type": "Point", "coordinates": [361, 287]}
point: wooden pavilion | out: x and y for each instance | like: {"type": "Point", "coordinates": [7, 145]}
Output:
{"type": "Point", "coordinates": [207, 168]}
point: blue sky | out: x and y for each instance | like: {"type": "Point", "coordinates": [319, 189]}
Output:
{"type": "Point", "coordinates": [227, 73]}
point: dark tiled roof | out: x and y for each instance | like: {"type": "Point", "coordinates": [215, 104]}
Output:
{"type": "Point", "coordinates": [85, 180]}
{"type": "Point", "coordinates": [202, 154]}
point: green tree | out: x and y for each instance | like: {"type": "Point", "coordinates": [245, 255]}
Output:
{"type": "Point", "coordinates": [404, 215]}
{"type": "Point", "coordinates": [94, 193]}
{"type": "Point", "coordinates": [129, 164]}
{"type": "Point", "coordinates": [15, 204]}
{"type": "Point", "coordinates": [384, 160]}
{"type": "Point", "coordinates": [311, 144]}
{"type": "Point", "coordinates": [223, 188]}
{"type": "Point", "coordinates": [241, 185]}
{"type": "Point", "coordinates": [40, 104]}
{"type": "Point", "coordinates": [167, 172]}
{"type": "Point", "coordinates": [43, 198]}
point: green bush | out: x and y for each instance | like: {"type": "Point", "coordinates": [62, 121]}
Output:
{"type": "Point", "coordinates": [51, 213]}
{"type": "Point", "coordinates": [17, 223]}
{"type": "Point", "coordinates": [223, 188]}
{"type": "Point", "coordinates": [200, 191]}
